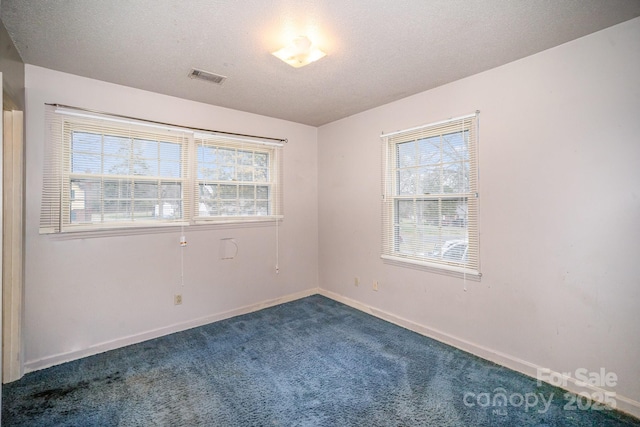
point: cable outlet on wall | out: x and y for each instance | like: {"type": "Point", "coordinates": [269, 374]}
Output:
{"type": "Point", "coordinates": [375, 285]}
{"type": "Point", "coordinates": [177, 299]}
{"type": "Point", "coordinates": [356, 281]}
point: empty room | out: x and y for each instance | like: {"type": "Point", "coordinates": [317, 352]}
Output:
{"type": "Point", "coordinates": [320, 213]}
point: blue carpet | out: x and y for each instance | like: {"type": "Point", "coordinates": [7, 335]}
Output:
{"type": "Point", "coordinates": [311, 362]}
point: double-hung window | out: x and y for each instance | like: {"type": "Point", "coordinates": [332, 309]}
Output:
{"type": "Point", "coordinates": [107, 172]}
{"type": "Point", "coordinates": [117, 176]}
{"type": "Point", "coordinates": [235, 179]}
{"type": "Point", "coordinates": [430, 196]}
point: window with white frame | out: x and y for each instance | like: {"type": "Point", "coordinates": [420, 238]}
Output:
{"type": "Point", "coordinates": [430, 196]}
{"type": "Point", "coordinates": [234, 179]}
{"type": "Point", "coordinates": [107, 172]}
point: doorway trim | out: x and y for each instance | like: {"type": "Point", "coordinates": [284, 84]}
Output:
{"type": "Point", "coordinates": [12, 244]}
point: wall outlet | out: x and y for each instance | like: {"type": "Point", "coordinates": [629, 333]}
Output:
{"type": "Point", "coordinates": [356, 281]}
{"type": "Point", "coordinates": [177, 299]}
{"type": "Point", "coordinates": [375, 285]}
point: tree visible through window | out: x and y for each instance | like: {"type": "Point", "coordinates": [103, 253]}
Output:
{"type": "Point", "coordinates": [124, 179]}
{"type": "Point", "coordinates": [233, 181]}
{"type": "Point", "coordinates": [103, 172]}
{"type": "Point", "coordinates": [430, 195]}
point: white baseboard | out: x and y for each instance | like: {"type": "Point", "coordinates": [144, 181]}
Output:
{"type": "Point", "coordinates": [622, 403]}
{"type": "Point", "coordinates": [34, 365]}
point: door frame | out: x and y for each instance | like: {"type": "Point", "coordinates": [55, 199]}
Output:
{"type": "Point", "coordinates": [12, 244]}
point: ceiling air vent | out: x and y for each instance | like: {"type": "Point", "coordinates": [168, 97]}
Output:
{"type": "Point", "coordinates": [206, 76]}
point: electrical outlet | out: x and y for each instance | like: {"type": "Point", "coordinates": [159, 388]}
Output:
{"type": "Point", "coordinates": [177, 299]}
{"type": "Point", "coordinates": [356, 281]}
{"type": "Point", "coordinates": [375, 285]}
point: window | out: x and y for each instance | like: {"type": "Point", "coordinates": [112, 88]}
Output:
{"type": "Point", "coordinates": [234, 179]}
{"type": "Point", "coordinates": [430, 196]}
{"type": "Point", "coordinates": [105, 172]}
{"type": "Point", "coordinates": [117, 176]}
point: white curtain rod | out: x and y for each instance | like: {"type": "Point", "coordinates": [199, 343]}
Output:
{"type": "Point", "coordinates": [84, 112]}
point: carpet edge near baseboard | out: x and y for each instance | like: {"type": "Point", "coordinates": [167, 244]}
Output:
{"type": "Point", "coordinates": [623, 403]}
{"type": "Point", "coordinates": [57, 359]}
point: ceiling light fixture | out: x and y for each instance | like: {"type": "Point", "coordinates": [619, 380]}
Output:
{"type": "Point", "coordinates": [299, 53]}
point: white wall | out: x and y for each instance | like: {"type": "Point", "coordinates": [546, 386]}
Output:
{"type": "Point", "coordinates": [88, 295]}
{"type": "Point", "coordinates": [1, 216]}
{"type": "Point", "coordinates": [560, 212]}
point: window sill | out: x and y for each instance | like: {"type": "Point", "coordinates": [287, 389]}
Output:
{"type": "Point", "coordinates": [115, 231]}
{"type": "Point", "coordinates": [234, 220]}
{"type": "Point", "coordinates": [449, 270]}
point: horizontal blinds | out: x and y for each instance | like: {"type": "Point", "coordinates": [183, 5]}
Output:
{"type": "Point", "coordinates": [108, 173]}
{"type": "Point", "coordinates": [237, 178]}
{"type": "Point", "coordinates": [51, 202]}
{"type": "Point", "coordinates": [105, 171]}
{"type": "Point", "coordinates": [430, 188]}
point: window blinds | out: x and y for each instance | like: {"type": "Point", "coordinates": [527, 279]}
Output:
{"type": "Point", "coordinates": [104, 171]}
{"type": "Point", "coordinates": [430, 195]}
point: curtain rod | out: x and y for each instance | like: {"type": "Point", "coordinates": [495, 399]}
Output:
{"type": "Point", "coordinates": [285, 140]}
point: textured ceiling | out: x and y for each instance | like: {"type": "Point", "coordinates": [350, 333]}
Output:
{"type": "Point", "coordinates": [378, 50]}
